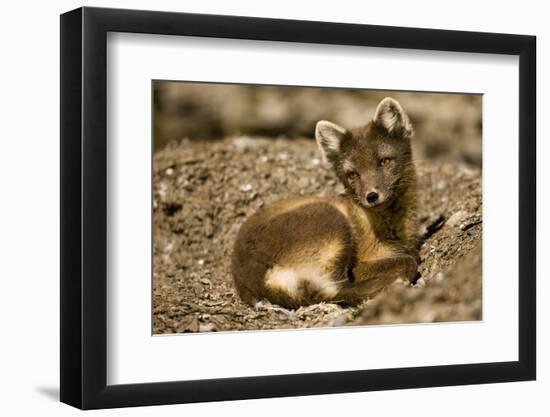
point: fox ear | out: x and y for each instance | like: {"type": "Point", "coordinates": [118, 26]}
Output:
{"type": "Point", "coordinates": [390, 115]}
{"type": "Point", "coordinates": [329, 137]}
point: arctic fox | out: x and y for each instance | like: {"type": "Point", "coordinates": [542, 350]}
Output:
{"type": "Point", "coordinates": [345, 249]}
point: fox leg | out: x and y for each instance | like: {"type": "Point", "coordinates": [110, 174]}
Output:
{"type": "Point", "coordinates": [369, 278]}
{"type": "Point", "coordinates": [386, 269]}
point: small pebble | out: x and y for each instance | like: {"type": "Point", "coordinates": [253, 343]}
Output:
{"type": "Point", "coordinates": [208, 327]}
{"type": "Point", "coordinates": [244, 142]}
{"type": "Point", "coordinates": [339, 321]}
{"type": "Point", "coordinates": [302, 182]}
{"type": "Point", "coordinates": [163, 189]}
{"type": "Point", "coordinates": [420, 283]}
{"type": "Point", "coordinates": [440, 276]}
{"type": "Point", "coordinates": [246, 188]}
{"type": "Point", "coordinates": [457, 218]}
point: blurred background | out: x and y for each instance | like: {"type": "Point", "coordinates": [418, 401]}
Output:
{"type": "Point", "coordinates": [448, 126]}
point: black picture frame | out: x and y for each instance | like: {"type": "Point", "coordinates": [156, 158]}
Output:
{"type": "Point", "coordinates": [84, 207]}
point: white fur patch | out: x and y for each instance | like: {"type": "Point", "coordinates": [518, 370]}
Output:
{"type": "Point", "coordinates": [389, 120]}
{"type": "Point", "coordinates": [289, 279]}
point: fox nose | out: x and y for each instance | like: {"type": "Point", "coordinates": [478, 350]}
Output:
{"type": "Point", "coordinates": [372, 197]}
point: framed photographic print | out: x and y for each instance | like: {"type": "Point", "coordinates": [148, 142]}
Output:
{"type": "Point", "coordinates": [257, 207]}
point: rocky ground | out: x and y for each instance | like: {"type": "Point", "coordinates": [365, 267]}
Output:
{"type": "Point", "coordinates": [203, 191]}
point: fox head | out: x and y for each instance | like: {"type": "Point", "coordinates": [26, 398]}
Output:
{"type": "Point", "coordinates": [373, 161]}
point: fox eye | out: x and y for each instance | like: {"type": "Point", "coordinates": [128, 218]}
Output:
{"type": "Point", "coordinates": [351, 175]}
{"type": "Point", "coordinates": [385, 161]}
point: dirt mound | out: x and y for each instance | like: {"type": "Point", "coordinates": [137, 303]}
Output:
{"type": "Point", "coordinates": [203, 191]}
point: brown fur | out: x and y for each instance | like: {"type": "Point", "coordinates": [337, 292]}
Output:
{"type": "Point", "coordinates": [343, 249]}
